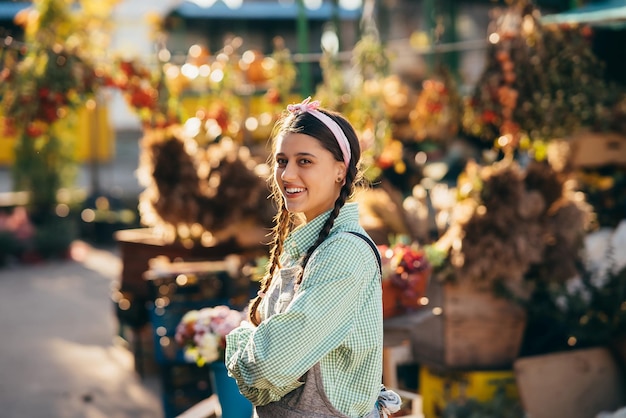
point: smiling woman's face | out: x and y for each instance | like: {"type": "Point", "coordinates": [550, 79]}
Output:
{"type": "Point", "coordinates": [307, 174]}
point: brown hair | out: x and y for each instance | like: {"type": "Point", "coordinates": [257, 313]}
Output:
{"type": "Point", "coordinates": [307, 124]}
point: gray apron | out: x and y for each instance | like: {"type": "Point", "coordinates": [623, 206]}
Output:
{"type": "Point", "coordinates": [308, 400]}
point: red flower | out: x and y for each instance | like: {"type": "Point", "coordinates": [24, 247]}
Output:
{"type": "Point", "coordinates": [220, 115]}
{"type": "Point", "coordinates": [5, 75]}
{"type": "Point", "coordinates": [142, 98]}
{"type": "Point", "coordinates": [9, 127]}
{"type": "Point", "coordinates": [33, 130]}
{"type": "Point", "coordinates": [434, 107]}
{"type": "Point", "coordinates": [49, 112]}
{"type": "Point", "coordinates": [489, 116]}
{"type": "Point", "coordinates": [127, 68]}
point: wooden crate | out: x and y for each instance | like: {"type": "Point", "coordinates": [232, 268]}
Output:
{"type": "Point", "coordinates": [138, 246]}
{"type": "Point", "coordinates": [465, 328]}
{"type": "Point", "coordinates": [597, 149]}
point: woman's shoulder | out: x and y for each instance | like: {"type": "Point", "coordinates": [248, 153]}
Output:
{"type": "Point", "coordinates": [352, 242]}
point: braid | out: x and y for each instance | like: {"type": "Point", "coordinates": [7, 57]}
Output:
{"type": "Point", "coordinates": [344, 194]}
{"type": "Point", "coordinates": [281, 229]}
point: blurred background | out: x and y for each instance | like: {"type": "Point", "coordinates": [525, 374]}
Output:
{"type": "Point", "coordinates": [133, 159]}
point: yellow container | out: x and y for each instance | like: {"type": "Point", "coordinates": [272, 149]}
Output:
{"type": "Point", "coordinates": [439, 388]}
{"type": "Point", "coordinates": [90, 129]}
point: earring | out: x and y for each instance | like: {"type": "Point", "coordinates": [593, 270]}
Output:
{"type": "Point", "coordinates": [339, 180]}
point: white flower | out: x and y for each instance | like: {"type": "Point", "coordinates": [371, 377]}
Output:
{"type": "Point", "coordinates": [202, 332]}
{"type": "Point", "coordinates": [208, 347]}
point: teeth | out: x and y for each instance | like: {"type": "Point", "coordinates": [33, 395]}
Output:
{"type": "Point", "coordinates": [294, 190]}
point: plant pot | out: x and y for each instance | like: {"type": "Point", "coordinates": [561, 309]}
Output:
{"type": "Point", "coordinates": [398, 300]}
{"type": "Point", "coordinates": [232, 402]}
{"type": "Point", "coordinates": [574, 384]}
{"type": "Point", "coordinates": [391, 300]}
{"type": "Point", "coordinates": [410, 298]}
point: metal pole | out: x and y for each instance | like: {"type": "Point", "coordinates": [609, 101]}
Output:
{"type": "Point", "coordinates": [429, 13]}
{"type": "Point", "coordinates": [453, 56]}
{"type": "Point", "coordinates": [302, 29]}
{"type": "Point", "coordinates": [337, 22]}
{"type": "Point", "coordinates": [93, 107]}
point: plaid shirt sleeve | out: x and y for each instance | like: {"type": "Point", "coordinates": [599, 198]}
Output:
{"type": "Point", "coordinates": [335, 318]}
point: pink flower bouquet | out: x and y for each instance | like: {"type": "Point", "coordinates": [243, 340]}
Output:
{"type": "Point", "coordinates": [202, 333]}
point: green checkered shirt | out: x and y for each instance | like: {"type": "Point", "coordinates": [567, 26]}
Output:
{"type": "Point", "coordinates": [334, 318]}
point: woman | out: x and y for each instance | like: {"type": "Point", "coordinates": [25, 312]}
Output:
{"type": "Point", "coordinates": [313, 347]}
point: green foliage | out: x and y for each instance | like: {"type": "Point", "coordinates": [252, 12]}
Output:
{"type": "Point", "coordinates": [360, 99]}
{"type": "Point", "coordinates": [45, 80]}
{"type": "Point", "coordinates": [579, 314]}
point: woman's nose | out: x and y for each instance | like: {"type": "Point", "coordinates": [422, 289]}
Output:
{"type": "Point", "coordinates": [288, 172]}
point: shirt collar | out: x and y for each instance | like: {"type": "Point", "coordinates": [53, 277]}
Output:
{"type": "Point", "coordinates": [301, 238]}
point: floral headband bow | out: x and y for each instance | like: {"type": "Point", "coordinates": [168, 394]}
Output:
{"type": "Point", "coordinates": [308, 106]}
{"type": "Point", "coordinates": [305, 106]}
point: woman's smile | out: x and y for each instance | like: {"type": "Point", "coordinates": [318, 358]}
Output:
{"type": "Point", "coordinates": [293, 191]}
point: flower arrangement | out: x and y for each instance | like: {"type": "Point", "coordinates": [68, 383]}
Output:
{"type": "Point", "coordinates": [588, 309]}
{"type": "Point", "coordinates": [513, 226]}
{"type": "Point", "coordinates": [202, 333]}
{"type": "Point", "coordinates": [45, 79]}
{"type": "Point", "coordinates": [16, 232]}
{"type": "Point", "coordinates": [186, 197]}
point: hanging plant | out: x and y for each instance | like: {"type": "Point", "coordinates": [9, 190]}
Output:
{"type": "Point", "coordinates": [437, 110]}
{"type": "Point", "coordinates": [147, 92]}
{"type": "Point", "coordinates": [540, 82]}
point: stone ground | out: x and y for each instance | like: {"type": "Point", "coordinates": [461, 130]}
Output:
{"type": "Point", "coordinates": [60, 356]}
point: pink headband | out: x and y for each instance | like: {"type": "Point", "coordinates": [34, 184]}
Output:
{"type": "Point", "coordinates": [308, 106]}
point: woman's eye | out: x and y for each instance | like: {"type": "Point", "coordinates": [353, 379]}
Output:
{"type": "Point", "coordinates": [281, 162]}
{"type": "Point", "coordinates": [305, 161]}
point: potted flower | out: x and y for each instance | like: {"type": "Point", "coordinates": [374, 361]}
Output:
{"type": "Point", "coordinates": [202, 334]}
{"type": "Point", "coordinates": [406, 272]}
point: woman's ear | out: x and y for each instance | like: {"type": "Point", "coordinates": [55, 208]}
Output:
{"type": "Point", "coordinates": [340, 171]}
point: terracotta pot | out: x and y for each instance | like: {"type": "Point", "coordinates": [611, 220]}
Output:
{"type": "Point", "coordinates": [398, 300]}
{"type": "Point", "coordinates": [410, 298]}
{"type": "Point", "coordinates": [391, 300]}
